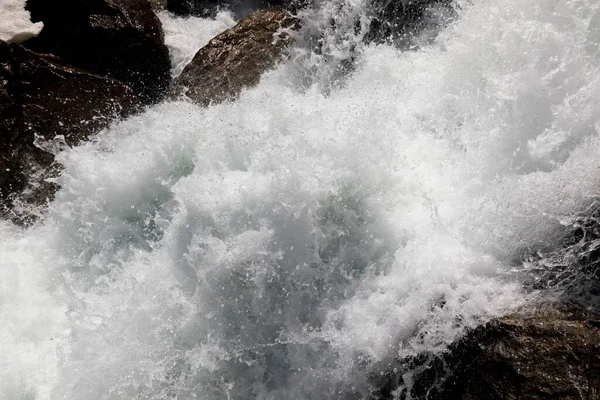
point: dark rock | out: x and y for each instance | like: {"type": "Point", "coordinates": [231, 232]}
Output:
{"type": "Point", "coordinates": [122, 39]}
{"type": "Point", "coordinates": [400, 21]}
{"type": "Point", "coordinates": [158, 4]}
{"type": "Point", "coordinates": [236, 58]}
{"type": "Point", "coordinates": [42, 97]}
{"type": "Point", "coordinates": [551, 351]}
{"type": "Point", "coordinates": [549, 354]}
{"type": "Point", "coordinates": [573, 271]}
{"type": "Point", "coordinates": [207, 8]}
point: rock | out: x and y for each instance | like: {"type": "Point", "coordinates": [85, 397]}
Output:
{"type": "Point", "coordinates": [122, 39]}
{"type": "Point", "coordinates": [574, 269]}
{"type": "Point", "coordinates": [41, 96]}
{"type": "Point", "coordinates": [549, 351]}
{"type": "Point", "coordinates": [236, 58]}
{"type": "Point", "coordinates": [16, 26]}
{"type": "Point", "coordinates": [206, 8]}
{"type": "Point", "coordinates": [158, 4]}
{"type": "Point", "coordinates": [401, 21]}
{"type": "Point", "coordinates": [548, 354]}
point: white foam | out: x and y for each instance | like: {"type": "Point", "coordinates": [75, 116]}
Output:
{"type": "Point", "coordinates": [16, 26]}
{"type": "Point", "coordinates": [290, 245]}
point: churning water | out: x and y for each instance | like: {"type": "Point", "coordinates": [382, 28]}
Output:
{"type": "Point", "coordinates": [296, 242]}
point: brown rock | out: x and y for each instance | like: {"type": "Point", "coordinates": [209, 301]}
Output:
{"type": "Point", "coordinates": [547, 353]}
{"type": "Point", "coordinates": [236, 58]}
{"type": "Point", "coordinates": [41, 96]}
{"type": "Point", "coordinates": [122, 39]}
{"type": "Point", "coordinates": [550, 354]}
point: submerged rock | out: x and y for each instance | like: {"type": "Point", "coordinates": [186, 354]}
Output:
{"type": "Point", "coordinates": [122, 39]}
{"type": "Point", "coordinates": [550, 351]}
{"type": "Point", "coordinates": [207, 8]}
{"type": "Point", "coordinates": [403, 22]}
{"type": "Point", "coordinates": [158, 4]}
{"type": "Point", "coordinates": [41, 97]}
{"type": "Point", "coordinates": [236, 58]}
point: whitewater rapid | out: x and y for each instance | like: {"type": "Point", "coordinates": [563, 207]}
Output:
{"type": "Point", "coordinates": [296, 242]}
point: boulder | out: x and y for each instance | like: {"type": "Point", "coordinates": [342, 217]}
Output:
{"type": "Point", "coordinates": [122, 39]}
{"type": "Point", "coordinates": [236, 58]}
{"type": "Point", "coordinates": [42, 97]}
{"type": "Point", "coordinates": [551, 353]}
{"type": "Point", "coordinates": [550, 350]}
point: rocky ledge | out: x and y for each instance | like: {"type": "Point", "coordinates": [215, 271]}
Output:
{"type": "Point", "coordinates": [93, 61]}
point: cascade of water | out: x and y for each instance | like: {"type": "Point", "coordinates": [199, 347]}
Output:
{"type": "Point", "coordinates": [296, 242]}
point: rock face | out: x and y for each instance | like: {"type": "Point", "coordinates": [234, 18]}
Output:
{"type": "Point", "coordinates": [206, 8]}
{"type": "Point", "coordinates": [399, 21]}
{"type": "Point", "coordinates": [551, 351]}
{"type": "Point", "coordinates": [551, 354]}
{"type": "Point", "coordinates": [236, 58]}
{"type": "Point", "coordinates": [122, 39]}
{"type": "Point", "coordinates": [41, 96]}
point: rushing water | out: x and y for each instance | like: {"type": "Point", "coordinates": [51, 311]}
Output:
{"type": "Point", "coordinates": [294, 243]}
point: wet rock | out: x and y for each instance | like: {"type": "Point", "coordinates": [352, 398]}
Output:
{"type": "Point", "coordinates": [207, 8]}
{"type": "Point", "coordinates": [400, 22]}
{"type": "Point", "coordinates": [158, 4]}
{"type": "Point", "coordinates": [41, 97]}
{"type": "Point", "coordinates": [549, 352]}
{"type": "Point", "coordinates": [122, 39]}
{"type": "Point", "coordinates": [573, 271]}
{"type": "Point", "coordinates": [236, 58]}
